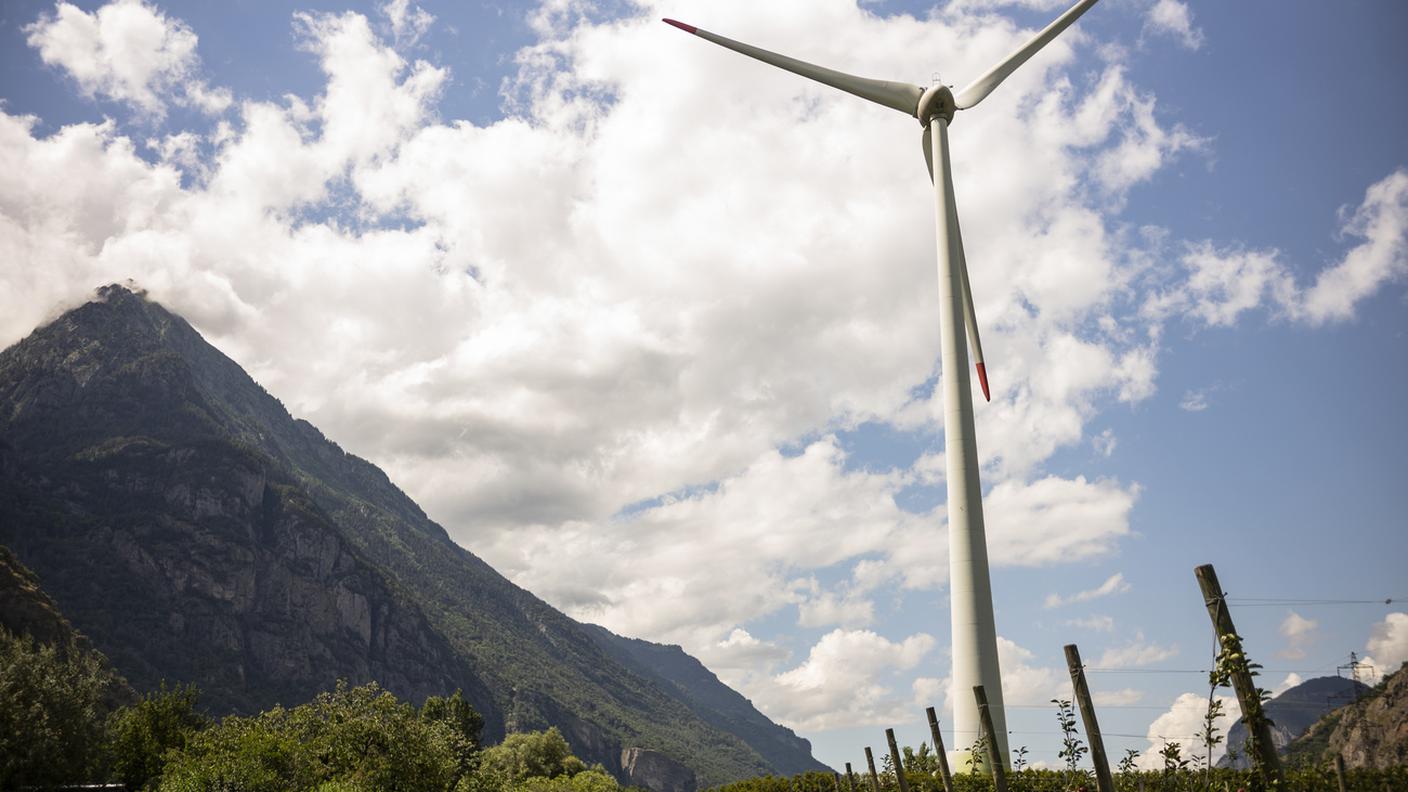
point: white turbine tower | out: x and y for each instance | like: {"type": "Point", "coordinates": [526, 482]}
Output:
{"type": "Point", "coordinates": [970, 589]}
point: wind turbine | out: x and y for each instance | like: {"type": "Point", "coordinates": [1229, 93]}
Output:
{"type": "Point", "coordinates": [970, 589]}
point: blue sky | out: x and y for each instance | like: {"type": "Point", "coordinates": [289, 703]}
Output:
{"type": "Point", "coordinates": [651, 328]}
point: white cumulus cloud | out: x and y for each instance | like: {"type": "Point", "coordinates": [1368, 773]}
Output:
{"type": "Point", "coordinates": [1218, 284]}
{"type": "Point", "coordinates": [1114, 584]}
{"type": "Point", "coordinates": [1134, 654]}
{"type": "Point", "coordinates": [1172, 18]}
{"type": "Point", "coordinates": [408, 21]}
{"type": "Point", "coordinates": [1182, 724]}
{"type": "Point", "coordinates": [1388, 643]}
{"type": "Point", "coordinates": [127, 51]}
{"type": "Point", "coordinates": [1298, 632]}
{"type": "Point", "coordinates": [845, 681]}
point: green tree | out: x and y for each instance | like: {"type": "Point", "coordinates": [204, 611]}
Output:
{"type": "Point", "coordinates": [141, 735]}
{"type": "Point", "coordinates": [533, 755]}
{"type": "Point", "coordinates": [51, 712]}
{"type": "Point", "coordinates": [349, 738]}
{"type": "Point", "coordinates": [923, 760]}
{"type": "Point", "coordinates": [464, 722]}
{"type": "Point", "coordinates": [593, 780]}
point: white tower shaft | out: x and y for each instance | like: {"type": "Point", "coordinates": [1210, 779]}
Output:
{"type": "Point", "coordinates": [970, 589]}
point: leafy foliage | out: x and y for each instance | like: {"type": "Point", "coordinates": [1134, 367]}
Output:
{"type": "Point", "coordinates": [1317, 779]}
{"type": "Point", "coordinates": [533, 755]}
{"type": "Point", "coordinates": [359, 737]}
{"type": "Point", "coordinates": [1208, 733]}
{"type": "Point", "coordinates": [51, 712]}
{"type": "Point", "coordinates": [1072, 747]}
{"type": "Point", "coordinates": [1230, 663]}
{"type": "Point", "coordinates": [141, 736]}
{"type": "Point", "coordinates": [460, 717]}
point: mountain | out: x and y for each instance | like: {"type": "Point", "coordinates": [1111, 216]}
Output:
{"type": "Point", "coordinates": [26, 611]}
{"type": "Point", "coordinates": [714, 701]}
{"type": "Point", "coordinates": [196, 532]}
{"type": "Point", "coordinates": [1370, 731]}
{"type": "Point", "coordinates": [1292, 713]}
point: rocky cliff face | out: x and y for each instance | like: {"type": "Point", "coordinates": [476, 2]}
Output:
{"type": "Point", "coordinates": [199, 533]}
{"type": "Point", "coordinates": [183, 554]}
{"type": "Point", "coordinates": [1369, 732]}
{"type": "Point", "coordinates": [654, 770]}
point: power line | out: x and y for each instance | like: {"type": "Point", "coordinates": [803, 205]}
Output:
{"type": "Point", "coordinates": [1275, 602]}
{"type": "Point", "coordinates": [1146, 670]}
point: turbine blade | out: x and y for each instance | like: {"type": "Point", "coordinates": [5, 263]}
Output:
{"type": "Point", "coordinates": [981, 87]}
{"type": "Point", "coordinates": [970, 316]}
{"type": "Point", "coordinates": [928, 154]}
{"type": "Point", "coordinates": [900, 96]}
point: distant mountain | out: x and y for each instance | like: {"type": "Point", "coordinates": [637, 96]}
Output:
{"type": "Point", "coordinates": [714, 701]}
{"type": "Point", "coordinates": [1292, 713]}
{"type": "Point", "coordinates": [196, 532]}
{"type": "Point", "coordinates": [1371, 731]}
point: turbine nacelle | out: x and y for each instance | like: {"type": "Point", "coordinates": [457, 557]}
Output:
{"type": "Point", "coordinates": [936, 102]}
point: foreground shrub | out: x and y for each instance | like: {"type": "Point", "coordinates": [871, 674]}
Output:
{"type": "Point", "coordinates": [141, 736]}
{"type": "Point", "coordinates": [358, 738]}
{"type": "Point", "coordinates": [533, 755]}
{"type": "Point", "coordinates": [51, 712]}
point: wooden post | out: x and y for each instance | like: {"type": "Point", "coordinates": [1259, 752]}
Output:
{"type": "Point", "coordinates": [939, 749]}
{"type": "Point", "coordinates": [1247, 697]}
{"type": "Point", "coordinates": [1103, 780]}
{"type": "Point", "coordinates": [895, 757]}
{"type": "Point", "coordinates": [837, 777]}
{"type": "Point", "coordinates": [997, 762]}
{"type": "Point", "coordinates": [1339, 770]}
{"type": "Point", "coordinates": [874, 778]}
{"type": "Point", "coordinates": [850, 784]}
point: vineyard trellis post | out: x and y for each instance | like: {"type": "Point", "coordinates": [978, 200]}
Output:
{"type": "Point", "coordinates": [996, 760]}
{"type": "Point", "coordinates": [938, 738]}
{"type": "Point", "coordinates": [895, 758]}
{"type": "Point", "coordinates": [850, 779]}
{"type": "Point", "coordinates": [837, 778]}
{"type": "Point", "coordinates": [1339, 770]}
{"type": "Point", "coordinates": [874, 777]}
{"type": "Point", "coordinates": [1103, 780]}
{"type": "Point", "coordinates": [1248, 697]}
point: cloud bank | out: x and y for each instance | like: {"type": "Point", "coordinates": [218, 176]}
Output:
{"type": "Point", "coordinates": [614, 340]}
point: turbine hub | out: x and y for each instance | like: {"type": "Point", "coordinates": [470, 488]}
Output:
{"type": "Point", "coordinates": [937, 102]}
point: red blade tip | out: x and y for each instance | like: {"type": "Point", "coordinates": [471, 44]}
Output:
{"type": "Point", "coordinates": [983, 380]}
{"type": "Point", "coordinates": [680, 25]}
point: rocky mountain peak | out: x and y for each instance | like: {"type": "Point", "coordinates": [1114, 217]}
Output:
{"type": "Point", "coordinates": [191, 527]}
